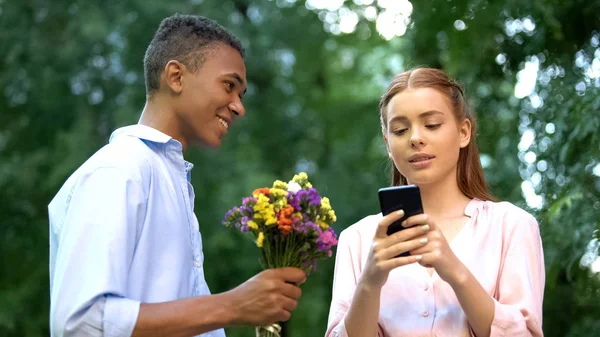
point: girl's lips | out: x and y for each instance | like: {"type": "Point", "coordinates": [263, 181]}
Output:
{"type": "Point", "coordinates": [417, 157]}
{"type": "Point", "coordinates": [422, 163]}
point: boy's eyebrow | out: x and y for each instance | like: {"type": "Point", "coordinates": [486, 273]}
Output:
{"type": "Point", "coordinates": [238, 78]}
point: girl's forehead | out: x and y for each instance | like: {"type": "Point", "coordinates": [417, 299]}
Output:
{"type": "Point", "coordinates": [417, 101]}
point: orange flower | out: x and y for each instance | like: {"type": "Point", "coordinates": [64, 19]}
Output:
{"type": "Point", "coordinates": [287, 211]}
{"type": "Point", "coordinates": [264, 190]}
{"type": "Point", "coordinates": [285, 219]}
{"type": "Point", "coordinates": [285, 229]}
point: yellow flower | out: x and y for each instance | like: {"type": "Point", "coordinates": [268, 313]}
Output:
{"type": "Point", "coordinates": [278, 192]}
{"type": "Point", "coordinates": [252, 224]}
{"type": "Point", "coordinates": [300, 176]}
{"type": "Point", "coordinates": [262, 202]}
{"type": "Point", "coordinates": [331, 214]}
{"type": "Point", "coordinates": [281, 203]}
{"type": "Point", "coordinates": [260, 239]}
{"type": "Point", "coordinates": [325, 205]}
{"type": "Point", "coordinates": [270, 219]}
{"type": "Point", "coordinates": [280, 185]}
{"type": "Point", "coordinates": [322, 224]}
{"type": "Point", "coordinates": [262, 199]}
{"type": "Point", "coordinates": [297, 215]}
{"type": "Point", "coordinates": [308, 185]}
{"type": "Point", "coordinates": [264, 210]}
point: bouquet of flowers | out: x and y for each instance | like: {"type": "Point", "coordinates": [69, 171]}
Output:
{"type": "Point", "coordinates": [291, 224]}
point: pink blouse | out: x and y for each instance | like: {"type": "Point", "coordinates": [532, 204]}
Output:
{"type": "Point", "coordinates": [500, 245]}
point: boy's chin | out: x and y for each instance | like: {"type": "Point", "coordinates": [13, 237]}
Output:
{"type": "Point", "coordinates": [213, 143]}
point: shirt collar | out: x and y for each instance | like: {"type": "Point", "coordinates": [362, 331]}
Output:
{"type": "Point", "coordinates": [147, 133]}
{"type": "Point", "coordinates": [473, 206]}
{"type": "Point", "coordinates": [142, 132]}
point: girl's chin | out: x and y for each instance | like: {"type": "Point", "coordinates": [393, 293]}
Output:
{"type": "Point", "coordinates": [421, 179]}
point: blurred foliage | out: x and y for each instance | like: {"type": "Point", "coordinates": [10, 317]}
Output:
{"type": "Point", "coordinates": [71, 72]}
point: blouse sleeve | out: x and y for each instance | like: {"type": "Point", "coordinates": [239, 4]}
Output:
{"type": "Point", "coordinates": [345, 278]}
{"type": "Point", "coordinates": [520, 290]}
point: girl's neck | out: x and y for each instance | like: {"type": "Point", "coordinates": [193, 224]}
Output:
{"type": "Point", "coordinates": [443, 199]}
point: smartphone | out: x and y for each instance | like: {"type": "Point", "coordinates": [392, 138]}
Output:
{"type": "Point", "coordinates": [407, 198]}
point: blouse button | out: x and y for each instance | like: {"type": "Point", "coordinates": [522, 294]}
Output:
{"type": "Point", "coordinates": [425, 313]}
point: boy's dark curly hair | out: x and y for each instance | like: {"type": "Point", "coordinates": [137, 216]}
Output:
{"type": "Point", "coordinates": [187, 39]}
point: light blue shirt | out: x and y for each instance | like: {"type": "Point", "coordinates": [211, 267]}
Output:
{"type": "Point", "coordinates": [123, 232]}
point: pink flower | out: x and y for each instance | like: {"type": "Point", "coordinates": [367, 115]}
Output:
{"type": "Point", "coordinates": [326, 240]}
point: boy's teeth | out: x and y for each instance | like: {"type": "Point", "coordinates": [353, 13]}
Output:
{"type": "Point", "coordinates": [223, 122]}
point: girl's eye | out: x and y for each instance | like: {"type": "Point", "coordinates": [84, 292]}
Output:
{"type": "Point", "coordinates": [433, 126]}
{"type": "Point", "coordinates": [399, 132]}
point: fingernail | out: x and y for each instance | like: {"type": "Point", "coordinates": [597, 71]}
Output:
{"type": "Point", "coordinates": [400, 213]}
{"type": "Point", "coordinates": [423, 240]}
{"type": "Point", "coordinates": [403, 223]}
{"type": "Point", "coordinates": [425, 228]}
{"type": "Point", "coordinates": [418, 257]}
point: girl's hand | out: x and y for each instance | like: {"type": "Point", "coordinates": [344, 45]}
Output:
{"type": "Point", "coordinates": [382, 260]}
{"type": "Point", "coordinates": [436, 252]}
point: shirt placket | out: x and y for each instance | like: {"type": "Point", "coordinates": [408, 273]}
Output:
{"type": "Point", "coordinates": [184, 168]}
{"type": "Point", "coordinates": [428, 310]}
{"type": "Point", "coordinates": [194, 229]}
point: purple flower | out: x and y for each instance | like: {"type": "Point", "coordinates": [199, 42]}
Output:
{"type": "Point", "coordinates": [306, 227]}
{"type": "Point", "coordinates": [247, 211]}
{"type": "Point", "coordinates": [248, 200]}
{"type": "Point", "coordinates": [229, 214]}
{"type": "Point", "coordinates": [313, 197]}
{"type": "Point", "coordinates": [301, 228]}
{"type": "Point", "coordinates": [301, 195]}
{"type": "Point", "coordinates": [294, 200]}
{"type": "Point", "coordinates": [244, 227]}
{"type": "Point", "coordinates": [308, 197]}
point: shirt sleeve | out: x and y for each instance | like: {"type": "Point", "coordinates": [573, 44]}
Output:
{"type": "Point", "coordinates": [96, 243]}
{"type": "Point", "coordinates": [345, 278]}
{"type": "Point", "coordinates": [520, 291]}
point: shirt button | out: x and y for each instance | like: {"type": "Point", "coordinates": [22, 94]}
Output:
{"type": "Point", "coordinates": [425, 313]}
{"type": "Point", "coordinates": [426, 287]}
{"type": "Point", "coordinates": [197, 264]}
